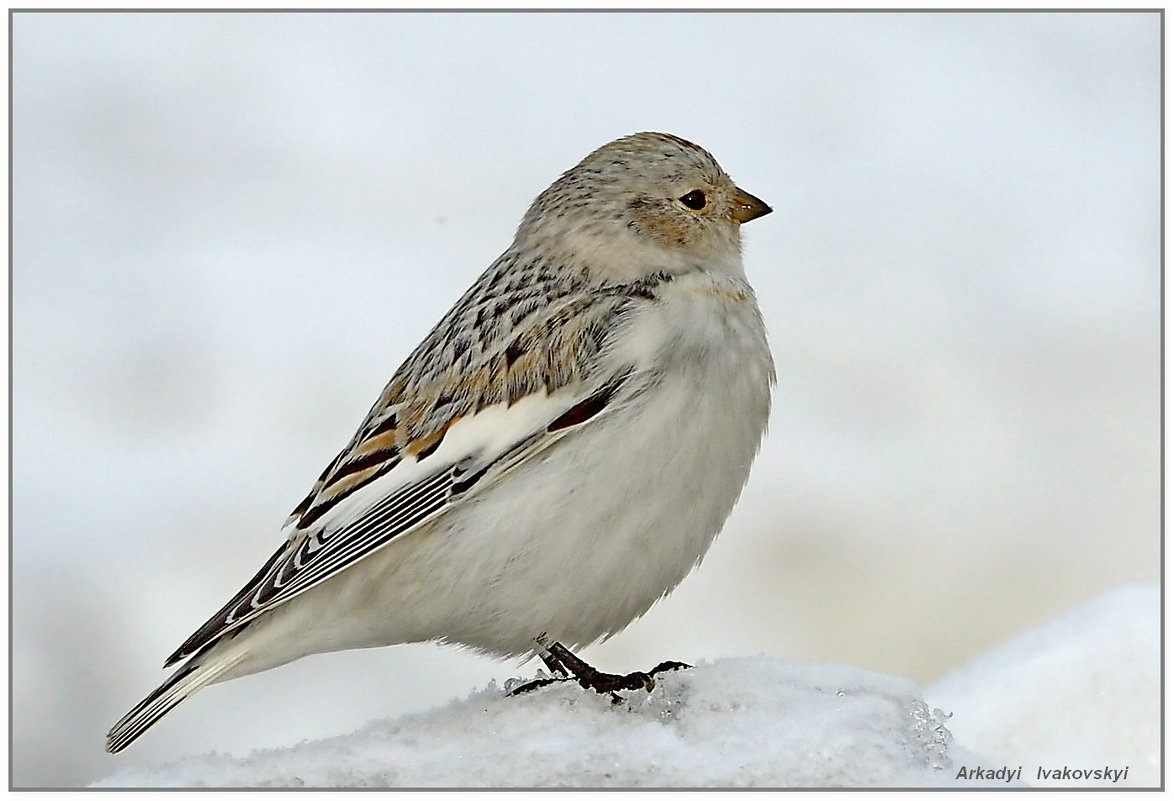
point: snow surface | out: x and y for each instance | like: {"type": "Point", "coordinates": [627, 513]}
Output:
{"type": "Point", "coordinates": [734, 722]}
{"type": "Point", "coordinates": [1080, 692]}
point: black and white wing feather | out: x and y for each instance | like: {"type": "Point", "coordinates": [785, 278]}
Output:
{"type": "Point", "coordinates": [429, 443]}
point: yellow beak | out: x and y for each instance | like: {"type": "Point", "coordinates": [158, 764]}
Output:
{"type": "Point", "coordinates": [747, 207]}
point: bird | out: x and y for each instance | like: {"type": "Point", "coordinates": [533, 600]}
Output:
{"type": "Point", "coordinates": [554, 457]}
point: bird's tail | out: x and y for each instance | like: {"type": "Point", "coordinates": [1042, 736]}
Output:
{"type": "Point", "coordinates": [202, 668]}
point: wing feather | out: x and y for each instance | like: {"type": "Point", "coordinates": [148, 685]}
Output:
{"type": "Point", "coordinates": [555, 355]}
{"type": "Point", "coordinates": [311, 558]}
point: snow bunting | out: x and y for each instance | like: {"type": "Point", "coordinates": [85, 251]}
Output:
{"type": "Point", "coordinates": [554, 457]}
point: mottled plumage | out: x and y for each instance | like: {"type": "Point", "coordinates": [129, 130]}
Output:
{"type": "Point", "coordinates": [553, 457]}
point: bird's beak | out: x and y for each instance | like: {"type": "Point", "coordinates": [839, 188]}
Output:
{"type": "Point", "coordinates": [747, 207]}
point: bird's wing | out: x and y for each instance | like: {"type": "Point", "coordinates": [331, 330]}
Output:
{"type": "Point", "coordinates": [430, 443]}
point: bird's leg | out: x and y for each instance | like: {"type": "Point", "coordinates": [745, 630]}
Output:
{"type": "Point", "coordinates": [561, 661]}
{"type": "Point", "coordinates": [553, 665]}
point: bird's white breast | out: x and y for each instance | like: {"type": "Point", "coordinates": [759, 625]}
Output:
{"type": "Point", "coordinates": [585, 538]}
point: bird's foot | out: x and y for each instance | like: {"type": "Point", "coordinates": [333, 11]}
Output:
{"type": "Point", "coordinates": [566, 666]}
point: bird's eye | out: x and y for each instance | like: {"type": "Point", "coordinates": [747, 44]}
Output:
{"type": "Point", "coordinates": [694, 200]}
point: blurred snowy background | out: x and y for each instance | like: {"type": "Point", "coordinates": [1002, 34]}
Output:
{"type": "Point", "coordinates": [229, 229]}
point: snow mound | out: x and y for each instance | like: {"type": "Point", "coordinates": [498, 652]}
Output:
{"type": "Point", "coordinates": [1075, 703]}
{"type": "Point", "coordinates": [1081, 692]}
{"type": "Point", "coordinates": [730, 723]}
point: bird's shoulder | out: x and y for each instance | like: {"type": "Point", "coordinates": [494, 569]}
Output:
{"type": "Point", "coordinates": [525, 327]}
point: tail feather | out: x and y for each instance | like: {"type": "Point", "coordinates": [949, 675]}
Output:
{"type": "Point", "coordinates": [197, 672]}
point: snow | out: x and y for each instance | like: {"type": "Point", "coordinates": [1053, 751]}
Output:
{"type": "Point", "coordinates": [1083, 690]}
{"type": "Point", "coordinates": [733, 722]}
{"type": "Point", "coordinates": [1078, 693]}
